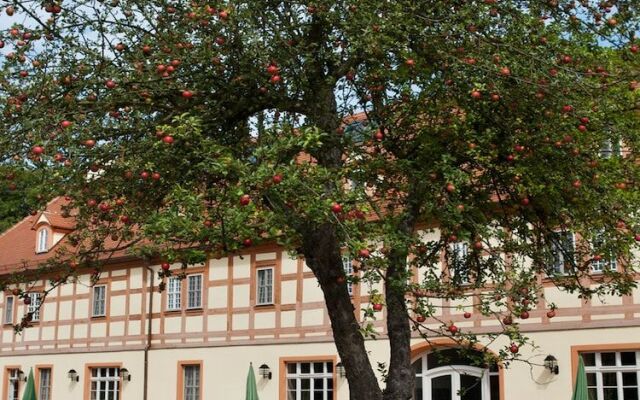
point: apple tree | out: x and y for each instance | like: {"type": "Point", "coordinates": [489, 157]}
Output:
{"type": "Point", "coordinates": [487, 132]}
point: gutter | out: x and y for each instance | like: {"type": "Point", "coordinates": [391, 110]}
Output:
{"type": "Point", "coordinates": [147, 347]}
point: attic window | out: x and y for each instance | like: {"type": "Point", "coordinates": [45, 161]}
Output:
{"type": "Point", "coordinates": [43, 241]}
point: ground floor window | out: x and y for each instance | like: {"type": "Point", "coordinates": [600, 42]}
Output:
{"type": "Point", "coordinates": [105, 383]}
{"type": "Point", "coordinates": [310, 380]}
{"type": "Point", "coordinates": [448, 375]}
{"type": "Point", "coordinates": [191, 382]}
{"type": "Point", "coordinates": [13, 386]}
{"type": "Point", "coordinates": [613, 375]}
{"type": "Point", "coordinates": [45, 384]}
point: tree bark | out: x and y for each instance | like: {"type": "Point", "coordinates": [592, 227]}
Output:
{"type": "Point", "coordinates": [322, 252]}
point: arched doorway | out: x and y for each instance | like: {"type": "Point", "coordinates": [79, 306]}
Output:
{"type": "Point", "coordinates": [448, 375]}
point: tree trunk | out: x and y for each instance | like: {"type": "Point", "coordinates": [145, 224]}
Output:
{"type": "Point", "coordinates": [401, 379]}
{"type": "Point", "coordinates": [322, 252]}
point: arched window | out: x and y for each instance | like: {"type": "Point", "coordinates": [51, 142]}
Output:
{"type": "Point", "coordinates": [43, 241]}
{"type": "Point", "coordinates": [448, 375]}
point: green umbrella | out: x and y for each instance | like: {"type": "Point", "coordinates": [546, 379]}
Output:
{"type": "Point", "coordinates": [580, 392]}
{"type": "Point", "coordinates": [30, 390]}
{"type": "Point", "coordinates": [252, 388]}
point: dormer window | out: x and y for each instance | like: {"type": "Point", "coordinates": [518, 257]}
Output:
{"type": "Point", "coordinates": [43, 241]}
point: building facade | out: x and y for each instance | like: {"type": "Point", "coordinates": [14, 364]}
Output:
{"type": "Point", "coordinates": [123, 339]}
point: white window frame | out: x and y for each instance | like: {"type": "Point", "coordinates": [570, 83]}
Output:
{"type": "Point", "coordinates": [34, 305]}
{"type": "Point", "coordinates": [9, 306]}
{"type": "Point", "coordinates": [103, 300]}
{"type": "Point", "coordinates": [174, 294]}
{"type": "Point", "coordinates": [102, 379]}
{"type": "Point", "coordinates": [610, 149]}
{"type": "Point", "coordinates": [559, 260]}
{"type": "Point", "coordinates": [194, 293]}
{"type": "Point", "coordinates": [43, 241]}
{"type": "Point", "coordinates": [312, 376]}
{"type": "Point", "coordinates": [13, 385]}
{"type": "Point", "coordinates": [608, 262]}
{"type": "Point", "coordinates": [191, 389]}
{"type": "Point", "coordinates": [618, 369]}
{"type": "Point", "coordinates": [426, 375]}
{"type": "Point", "coordinates": [458, 251]}
{"type": "Point", "coordinates": [347, 265]}
{"type": "Point", "coordinates": [44, 383]}
{"type": "Point", "coordinates": [269, 286]}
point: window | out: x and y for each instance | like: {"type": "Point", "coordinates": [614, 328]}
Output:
{"type": "Point", "coordinates": [191, 382]}
{"type": "Point", "coordinates": [34, 306]}
{"type": "Point", "coordinates": [613, 375]}
{"type": "Point", "coordinates": [99, 308]}
{"type": "Point", "coordinates": [348, 271]}
{"type": "Point", "coordinates": [264, 286]}
{"type": "Point", "coordinates": [604, 261]}
{"type": "Point", "coordinates": [458, 266]}
{"type": "Point", "coordinates": [43, 240]}
{"type": "Point", "coordinates": [310, 380]}
{"type": "Point", "coordinates": [610, 148]}
{"type": "Point", "coordinates": [447, 375]}
{"type": "Point", "coordinates": [194, 291]}
{"type": "Point", "coordinates": [13, 387]}
{"type": "Point", "coordinates": [44, 389]}
{"type": "Point", "coordinates": [105, 383]}
{"type": "Point", "coordinates": [173, 293]}
{"type": "Point", "coordinates": [8, 309]}
{"type": "Point", "coordinates": [561, 252]}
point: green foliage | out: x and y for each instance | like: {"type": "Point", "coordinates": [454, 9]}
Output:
{"type": "Point", "coordinates": [194, 129]}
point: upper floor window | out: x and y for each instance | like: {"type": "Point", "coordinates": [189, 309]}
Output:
{"type": "Point", "coordinates": [610, 148]}
{"type": "Point", "coordinates": [34, 306]}
{"type": "Point", "coordinates": [43, 240]}
{"type": "Point", "coordinates": [457, 262]}
{"type": "Point", "coordinates": [612, 375]}
{"type": "Point", "coordinates": [8, 309]}
{"type": "Point", "coordinates": [604, 260]}
{"type": "Point", "coordinates": [347, 265]}
{"type": "Point", "coordinates": [264, 286]}
{"type": "Point", "coordinates": [99, 304]}
{"type": "Point", "coordinates": [105, 383]}
{"type": "Point", "coordinates": [561, 252]}
{"type": "Point", "coordinates": [193, 292]}
{"type": "Point", "coordinates": [310, 380]}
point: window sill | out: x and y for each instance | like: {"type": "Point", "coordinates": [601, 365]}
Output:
{"type": "Point", "coordinates": [194, 310]}
{"type": "Point", "coordinates": [177, 311]}
{"type": "Point", "coordinates": [99, 317]}
{"type": "Point", "coordinates": [270, 306]}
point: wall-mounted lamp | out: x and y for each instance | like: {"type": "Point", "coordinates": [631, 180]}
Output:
{"type": "Point", "coordinates": [340, 369]}
{"type": "Point", "coordinates": [22, 376]}
{"type": "Point", "coordinates": [265, 371]}
{"type": "Point", "coordinates": [551, 363]}
{"type": "Point", "coordinates": [125, 375]}
{"type": "Point", "coordinates": [73, 375]}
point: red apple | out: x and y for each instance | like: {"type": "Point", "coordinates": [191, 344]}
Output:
{"type": "Point", "coordinates": [37, 150]}
{"type": "Point", "coordinates": [223, 14]}
{"type": "Point", "coordinates": [364, 253]}
{"type": "Point", "coordinates": [453, 329]}
{"type": "Point", "coordinates": [275, 79]}
{"type": "Point", "coordinates": [551, 314]}
{"type": "Point", "coordinates": [155, 176]}
{"type": "Point", "coordinates": [476, 94]}
{"type": "Point", "coordinates": [167, 139]}
{"type": "Point", "coordinates": [634, 48]}
{"type": "Point", "coordinates": [507, 320]}
{"type": "Point", "coordinates": [27, 300]}
{"type": "Point", "coordinates": [276, 178]}
{"type": "Point", "coordinates": [637, 237]}
{"type": "Point", "coordinates": [110, 84]}
{"type": "Point", "coordinates": [505, 71]}
{"type": "Point", "coordinates": [450, 187]}
{"type": "Point", "coordinates": [377, 307]}
{"type": "Point", "coordinates": [187, 94]}
{"type": "Point", "coordinates": [165, 266]}
{"type": "Point", "coordinates": [336, 208]}
{"type": "Point", "coordinates": [421, 318]}
{"type": "Point", "coordinates": [89, 143]}
{"type": "Point", "coordinates": [514, 348]}
{"type": "Point", "coordinates": [247, 242]}
{"type": "Point", "coordinates": [410, 62]}
{"type": "Point", "coordinates": [524, 315]}
{"type": "Point", "coordinates": [467, 314]}
{"type": "Point", "coordinates": [245, 199]}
